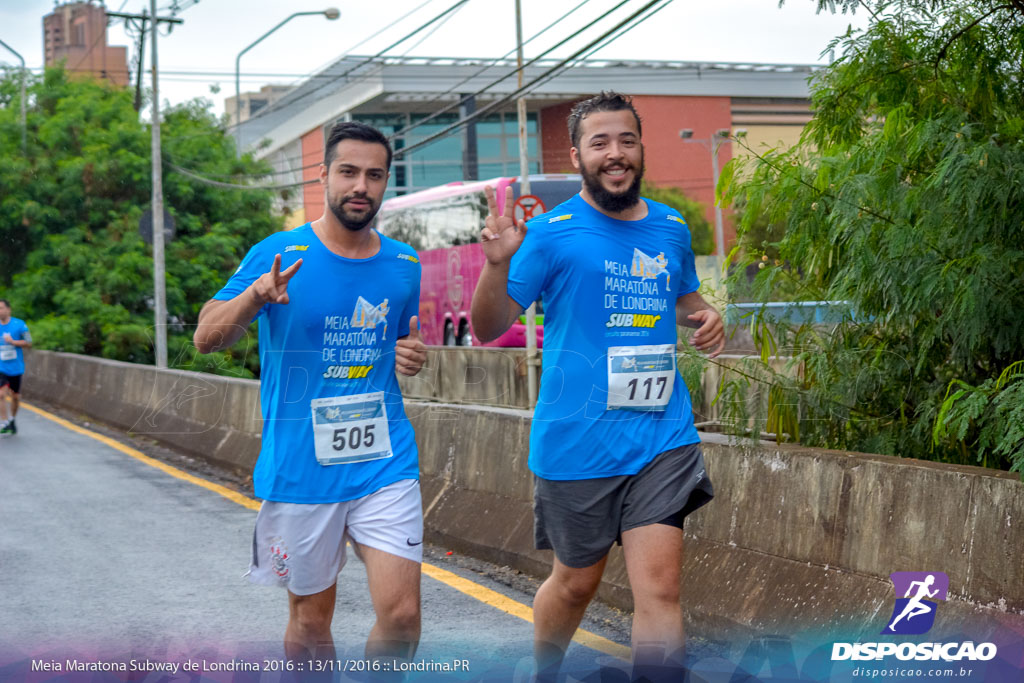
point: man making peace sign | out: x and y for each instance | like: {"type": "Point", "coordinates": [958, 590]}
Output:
{"type": "Point", "coordinates": [338, 460]}
{"type": "Point", "coordinates": [613, 448]}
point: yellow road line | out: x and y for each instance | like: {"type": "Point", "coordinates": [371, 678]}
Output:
{"type": "Point", "coordinates": [517, 609]}
{"type": "Point", "coordinates": [233, 496]}
{"type": "Point", "coordinates": [476, 591]}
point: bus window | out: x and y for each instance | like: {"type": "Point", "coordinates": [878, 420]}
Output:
{"type": "Point", "coordinates": [443, 225]}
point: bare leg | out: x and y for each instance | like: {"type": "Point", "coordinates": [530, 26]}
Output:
{"type": "Point", "coordinates": [309, 625]}
{"type": "Point", "coordinates": [654, 563]}
{"type": "Point", "coordinates": [558, 609]}
{"type": "Point", "coordinates": [395, 592]}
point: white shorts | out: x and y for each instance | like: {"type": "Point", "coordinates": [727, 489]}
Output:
{"type": "Point", "coordinates": [301, 546]}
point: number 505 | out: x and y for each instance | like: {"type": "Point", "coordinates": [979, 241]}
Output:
{"type": "Point", "coordinates": [353, 437]}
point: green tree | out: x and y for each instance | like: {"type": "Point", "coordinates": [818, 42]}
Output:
{"type": "Point", "coordinates": [71, 257]}
{"type": "Point", "coordinates": [702, 239]}
{"type": "Point", "coordinates": [903, 197]}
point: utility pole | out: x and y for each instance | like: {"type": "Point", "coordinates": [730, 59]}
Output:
{"type": "Point", "coordinates": [24, 149]}
{"type": "Point", "coordinates": [157, 202]}
{"type": "Point", "coordinates": [139, 52]}
{"type": "Point", "coordinates": [718, 138]}
{"type": "Point", "coordinates": [157, 206]}
{"type": "Point", "coordinates": [524, 189]}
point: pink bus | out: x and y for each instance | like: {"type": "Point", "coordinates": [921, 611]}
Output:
{"type": "Point", "coordinates": [443, 225]}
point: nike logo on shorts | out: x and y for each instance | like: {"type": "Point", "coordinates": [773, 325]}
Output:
{"type": "Point", "coordinates": [409, 542]}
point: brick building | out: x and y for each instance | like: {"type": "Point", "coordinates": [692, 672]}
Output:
{"type": "Point", "coordinates": [768, 102]}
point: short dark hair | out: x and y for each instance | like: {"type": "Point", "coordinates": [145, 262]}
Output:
{"type": "Point", "coordinates": [354, 130]}
{"type": "Point", "coordinates": [5, 302]}
{"type": "Point", "coordinates": [607, 100]}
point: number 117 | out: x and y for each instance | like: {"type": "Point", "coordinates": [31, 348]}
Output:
{"type": "Point", "coordinates": [648, 384]}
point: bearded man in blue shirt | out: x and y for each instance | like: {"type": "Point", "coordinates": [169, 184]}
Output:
{"type": "Point", "coordinates": [613, 447]}
{"type": "Point", "coordinates": [337, 305]}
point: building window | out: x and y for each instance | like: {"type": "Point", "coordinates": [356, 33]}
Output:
{"type": "Point", "coordinates": [255, 104]}
{"type": "Point", "coordinates": [441, 161]}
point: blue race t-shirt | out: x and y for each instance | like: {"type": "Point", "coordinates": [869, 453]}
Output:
{"type": "Point", "coordinates": [608, 286]}
{"type": "Point", "coordinates": [12, 360]}
{"type": "Point", "coordinates": [330, 352]}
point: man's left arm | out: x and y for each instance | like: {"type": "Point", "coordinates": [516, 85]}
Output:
{"type": "Point", "coordinates": [692, 311]}
{"type": "Point", "coordinates": [25, 342]}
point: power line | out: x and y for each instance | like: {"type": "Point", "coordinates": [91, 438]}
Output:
{"type": "Point", "coordinates": [368, 60]}
{"type": "Point", "coordinates": [490, 85]}
{"type": "Point", "coordinates": [313, 76]}
{"type": "Point", "coordinates": [233, 186]}
{"type": "Point", "coordinates": [176, 7]}
{"type": "Point", "coordinates": [617, 31]}
{"type": "Point", "coordinates": [494, 62]}
{"type": "Point", "coordinates": [298, 169]}
{"type": "Point", "coordinates": [432, 31]}
{"type": "Point", "coordinates": [540, 80]}
{"type": "Point", "coordinates": [656, 75]}
{"type": "Point", "coordinates": [616, 37]}
{"type": "Point", "coordinates": [330, 78]}
{"type": "Point", "coordinates": [370, 37]}
{"type": "Point", "coordinates": [268, 173]}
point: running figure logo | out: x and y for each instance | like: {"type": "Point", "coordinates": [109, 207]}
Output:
{"type": "Point", "coordinates": [649, 268]}
{"type": "Point", "coordinates": [914, 613]}
{"type": "Point", "coordinates": [369, 316]}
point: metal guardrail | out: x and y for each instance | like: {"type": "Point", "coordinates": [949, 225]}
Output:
{"type": "Point", "coordinates": [796, 312]}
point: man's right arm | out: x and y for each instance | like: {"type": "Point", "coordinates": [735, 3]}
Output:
{"type": "Point", "coordinates": [222, 323]}
{"type": "Point", "coordinates": [493, 311]}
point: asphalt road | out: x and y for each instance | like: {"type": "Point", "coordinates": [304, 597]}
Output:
{"type": "Point", "coordinates": [105, 558]}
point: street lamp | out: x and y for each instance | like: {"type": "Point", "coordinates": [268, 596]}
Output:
{"type": "Point", "coordinates": [331, 13]}
{"type": "Point", "coordinates": [22, 93]}
{"type": "Point", "coordinates": [720, 136]}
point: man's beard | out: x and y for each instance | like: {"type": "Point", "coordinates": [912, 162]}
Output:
{"type": "Point", "coordinates": [353, 222]}
{"type": "Point", "coordinates": [613, 202]}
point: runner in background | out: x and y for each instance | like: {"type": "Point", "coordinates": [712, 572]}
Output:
{"type": "Point", "coordinates": [14, 339]}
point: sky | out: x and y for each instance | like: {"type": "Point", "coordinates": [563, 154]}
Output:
{"type": "Point", "coordinates": [197, 59]}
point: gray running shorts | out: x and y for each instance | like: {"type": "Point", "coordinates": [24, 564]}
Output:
{"type": "Point", "coordinates": [581, 519]}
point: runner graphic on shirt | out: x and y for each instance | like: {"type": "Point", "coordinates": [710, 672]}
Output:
{"type": "Point", "coordinates": [369, 316]}
{"type": "Point", "coordinates": [648, 268]}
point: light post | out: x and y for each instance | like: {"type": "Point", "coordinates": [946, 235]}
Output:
{"type": "Point", "coordinates": [720, 136]}
{"type": "Point", "coordinates": [23, 149]}
{"type": "Point", "coordinates": [331, 13]}
{"type": "Point", "coordinates": [532, 361]}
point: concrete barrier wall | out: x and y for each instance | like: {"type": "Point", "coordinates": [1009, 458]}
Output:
{"type": "Point", "coordinates": [217, 418]}
{"type": "Point", "coordinates": [478, 376]}
{"type": "Point", "coordinates": [795, 538]}
{"type": "Point", "coordinates": [497, 377]}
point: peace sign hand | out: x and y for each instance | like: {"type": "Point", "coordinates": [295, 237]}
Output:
{"type": "Point", "coordinates": [502, 234]}
{"type": "Point", "coordinates": [272, 287]}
